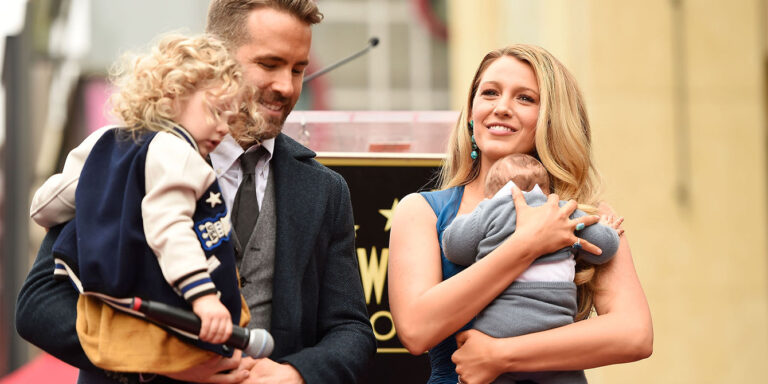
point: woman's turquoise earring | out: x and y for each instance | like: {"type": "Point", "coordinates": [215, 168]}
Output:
{"type": "Point", "coordinates": [473, 154]}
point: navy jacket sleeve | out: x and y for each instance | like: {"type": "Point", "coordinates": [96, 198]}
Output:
{"type": "Point", "coordinates": [46, 312]}
{"type": "Point", "coordinates": [346, 344]}
{"type": "Point", "coordinates": [46, 309]}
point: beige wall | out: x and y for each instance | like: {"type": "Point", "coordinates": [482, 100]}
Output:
{"type": "Point", "coordinates": [703, 260]}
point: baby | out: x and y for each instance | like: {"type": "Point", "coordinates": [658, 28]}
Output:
{"type": "Point", "coordinates": [543, 296]}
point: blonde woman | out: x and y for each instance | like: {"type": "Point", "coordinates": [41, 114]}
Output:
{"type": "Point", "coordinates": [149, 219]}
{"type": "Point", "coordinates": [522, 100]}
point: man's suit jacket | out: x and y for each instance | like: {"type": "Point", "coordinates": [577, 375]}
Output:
{"type": "Point", "coordinates": [319, 319]}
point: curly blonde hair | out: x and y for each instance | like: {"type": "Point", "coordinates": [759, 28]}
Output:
{"type": "Point", "coordinates": [152, 85]}
{"type": "Point", "coordinates": [562, 143]}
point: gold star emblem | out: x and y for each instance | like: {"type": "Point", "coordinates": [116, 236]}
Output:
{"type": "Point", "coordinates": [213, 199]}
{"type": "Point", "coordinates": [388, 214]}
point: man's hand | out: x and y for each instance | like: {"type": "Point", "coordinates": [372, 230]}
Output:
{"type": "Point", "coordinates": [218, 370]}
{"type": "Point", "coordinates": [266, 371]}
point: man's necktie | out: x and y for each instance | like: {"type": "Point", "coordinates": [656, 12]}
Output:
{"type": "Point", "coordinates": [245, 209]}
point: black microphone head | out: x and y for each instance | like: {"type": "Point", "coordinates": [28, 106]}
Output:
{"type": "Point", "coordinates": [373, 41]}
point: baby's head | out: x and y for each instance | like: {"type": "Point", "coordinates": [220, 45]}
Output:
{"type": "Point", "coordinates": [524, 170]}
{"type": "Point", "coordinates": [156, 86]}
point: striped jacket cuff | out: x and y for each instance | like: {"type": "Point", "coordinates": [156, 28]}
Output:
{"type": "Point", "coordinates": [195, 285]}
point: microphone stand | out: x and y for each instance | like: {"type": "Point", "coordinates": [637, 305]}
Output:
{"type": "Point", "coordinates": [372, 42]}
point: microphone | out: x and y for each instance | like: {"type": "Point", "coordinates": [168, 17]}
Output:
{"type": "Point", "coordinates": [256, 343]}
{"type": "Point", "coordinates": [372, 42]}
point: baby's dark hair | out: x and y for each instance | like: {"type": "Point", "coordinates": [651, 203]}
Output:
{"type": "Point", "coordinates": [524, 170]}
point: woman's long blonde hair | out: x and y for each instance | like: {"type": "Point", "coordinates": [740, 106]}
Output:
{"type": "Point", "coordinates": [151, 86]}
{"type": "Point", "coordinates": [562, 144]}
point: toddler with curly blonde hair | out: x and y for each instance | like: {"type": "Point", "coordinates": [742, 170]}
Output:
{"type": "Point", "coordinates": [150, 219]}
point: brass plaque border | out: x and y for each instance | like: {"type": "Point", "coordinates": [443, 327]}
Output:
{"type": "Point", "coordinates": [379, 159]}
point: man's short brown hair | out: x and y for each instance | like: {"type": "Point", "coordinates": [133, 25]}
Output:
{"type": "Point", "coordinates": [227, 19]}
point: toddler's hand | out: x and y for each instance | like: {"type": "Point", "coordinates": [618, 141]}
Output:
{"type": "Point", "coordinates": [215, 322]}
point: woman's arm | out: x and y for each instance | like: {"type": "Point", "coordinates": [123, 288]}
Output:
{"type": "Point", "coordinates": [622, 332]}
{"type": "Point", "coordinates": [427, 309]}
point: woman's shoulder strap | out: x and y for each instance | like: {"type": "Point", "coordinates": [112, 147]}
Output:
{"type": "Point", "coordinates": [437, 199]}
{"type": "Point", "coordinates": [445, 199]}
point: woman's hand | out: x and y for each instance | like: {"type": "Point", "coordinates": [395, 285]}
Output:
{"type": "Point", "coordinates": [475, 359]}
{"type": "Point", "coordinates": [549, 227]}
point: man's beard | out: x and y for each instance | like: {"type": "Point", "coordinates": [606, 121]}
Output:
{"type": "Point", "coordinates": [267, 129]}
{"type": "Point", "coordinates": [268, 126]}
{"type": "Point", "coordinates": [273, 124]}
{"type": "Point", "coordinates": [271, 128]}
